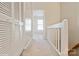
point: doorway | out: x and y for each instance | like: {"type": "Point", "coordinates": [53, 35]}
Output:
{"type": "Point", "coordinates": [38, 25]}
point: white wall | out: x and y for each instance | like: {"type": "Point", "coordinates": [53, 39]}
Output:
{"type": "Point", "coordinates": [71, 12]}
{"type": "Point", "coordinates": [52, 13]}
{"type": "Point", "coordinates": [52, 17]}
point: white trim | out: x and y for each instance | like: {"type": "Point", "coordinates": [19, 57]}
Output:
{"type": "Point", "coordinates": [26, 47]}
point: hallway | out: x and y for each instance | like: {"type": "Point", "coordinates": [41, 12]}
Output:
{"type": "Point", "coordinates": [32, 29]}
{"type": "Point", "coordinates": [39, 48]}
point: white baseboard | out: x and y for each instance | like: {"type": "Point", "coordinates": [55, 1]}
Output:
{"type": "Point", "coordinates": [27, 45]}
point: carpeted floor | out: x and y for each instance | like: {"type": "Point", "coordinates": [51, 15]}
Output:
{"type": "Point", "coordinates": [39, 48]}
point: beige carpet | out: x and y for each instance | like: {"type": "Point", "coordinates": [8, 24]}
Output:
{"type": "Point", "coordinates": [39, 48]}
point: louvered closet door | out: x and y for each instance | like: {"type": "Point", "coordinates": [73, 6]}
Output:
{"type": "Point", "coordinates": [5, 8]}
{"type": "Point", "coordinates": [5, 36]}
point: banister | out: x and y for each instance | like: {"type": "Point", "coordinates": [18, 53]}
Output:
{"type": "Point", "coordinates": [56, 26]}
{"type": "Point", "coordinates": [62, 36]}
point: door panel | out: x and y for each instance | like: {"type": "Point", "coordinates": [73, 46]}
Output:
{"type": "Point", "coordinates": [5, 36]}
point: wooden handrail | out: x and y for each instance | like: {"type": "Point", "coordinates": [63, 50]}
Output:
{"type": "Point", "coordinates": [73, 48]}
{"type": "Point", "coordinates": [76, 46]}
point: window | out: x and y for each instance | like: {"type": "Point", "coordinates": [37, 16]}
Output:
{"type": "Point", "coordinates": [40, 24]}
{"type": "Point", "coordinates": [28, 24]}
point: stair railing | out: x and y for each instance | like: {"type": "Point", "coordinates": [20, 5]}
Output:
{"type": "Point", "coordinates": [61, 46]}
